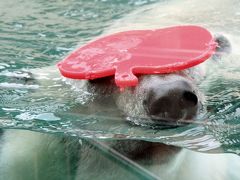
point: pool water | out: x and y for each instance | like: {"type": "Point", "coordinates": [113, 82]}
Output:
{"type": "Point", "coordinates": [35, 35]}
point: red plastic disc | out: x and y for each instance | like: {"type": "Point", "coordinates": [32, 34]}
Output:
{"type": "Point", "coordinates": [128, 53]}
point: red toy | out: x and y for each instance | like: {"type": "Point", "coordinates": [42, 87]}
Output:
{"type": "Point", "coordinates": [128, 53]}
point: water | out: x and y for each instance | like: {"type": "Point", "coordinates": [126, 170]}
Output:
{"type": "Point", "coordinates": [39, 34]}
{"type": "Point", "coordinates": [35, 35]}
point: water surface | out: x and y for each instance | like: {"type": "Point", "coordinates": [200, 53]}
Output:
{"type": "Point", "coordinates": [38, 34]}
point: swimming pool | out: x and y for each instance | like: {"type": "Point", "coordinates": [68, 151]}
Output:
{"type": "Point", "coordinates": [36, 35]}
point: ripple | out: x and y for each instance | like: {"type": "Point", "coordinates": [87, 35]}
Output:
{"type": "Point", "coordinates": [47, 117]}
{"type": "Point", "coordinates": [17, 86]}
{"type": "Point", "coordinates": [47, 31]}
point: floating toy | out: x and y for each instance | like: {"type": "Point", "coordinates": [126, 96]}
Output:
{"type": "Point", "coordinates": [127, 54]}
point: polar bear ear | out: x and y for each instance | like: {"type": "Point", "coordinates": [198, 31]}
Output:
{"type": "Point", "coordinates": [223, 48]}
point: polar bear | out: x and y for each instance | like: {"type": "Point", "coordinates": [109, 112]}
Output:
{"type": "Point", "coordinates": [158, 99]}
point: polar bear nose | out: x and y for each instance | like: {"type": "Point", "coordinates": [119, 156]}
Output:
{"type": "Point", "coordinates": [172, 101]}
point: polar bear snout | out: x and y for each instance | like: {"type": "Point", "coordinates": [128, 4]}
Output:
{"type": "Point", "coordinates": [171, 101]}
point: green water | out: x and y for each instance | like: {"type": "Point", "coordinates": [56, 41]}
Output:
{"type": "Point", "coordinates": [37, 34]}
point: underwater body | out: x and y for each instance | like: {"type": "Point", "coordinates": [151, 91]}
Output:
{"type": "Point", "coordinates": [33, 40]}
